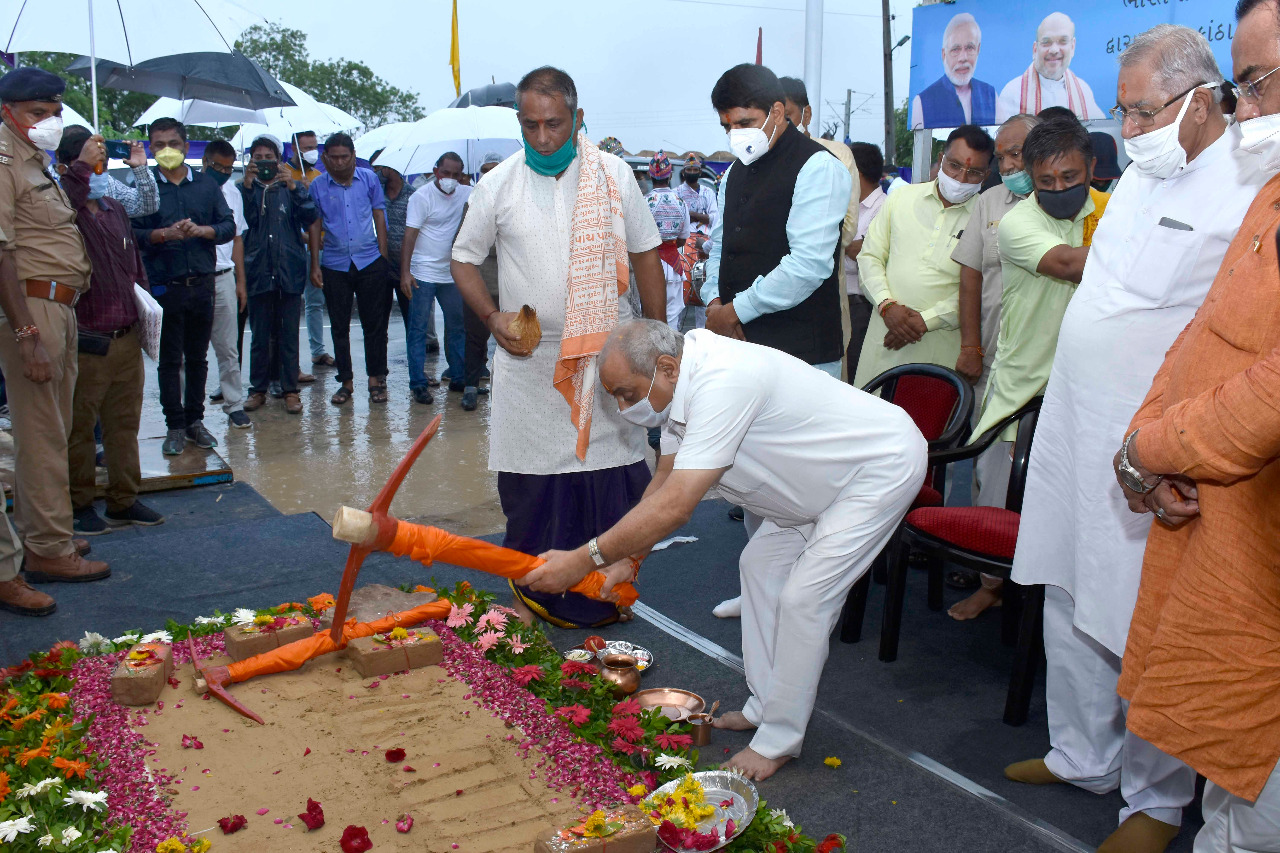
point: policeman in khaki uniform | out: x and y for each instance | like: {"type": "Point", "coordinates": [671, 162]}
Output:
{"type": "Point", "coordinates": [43, 270]}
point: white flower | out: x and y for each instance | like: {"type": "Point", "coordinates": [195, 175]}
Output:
{"type": "Point", "coordinates": [44, 840]}
{"type": "Point", "coordinates": [669, 762]}
{"type": "Point", "coordinates": [158, 637]}
{"type": "Point", "coordinates": [212, 620]}
{"type": "Point", "coordinates": [92, 643]}
{"type": "Point", "coordinates": [86, 799]}
{"type": "Point", "coordinates": [127, 639]}
{"type": "Point", "coordinates": [70, 834]}
{"type": "Point", "coordinates": [11, 829]}
{"type": "Point", "coordinates": [29, 790]}
{"type": "Point", "coordinates": [782, 813]}
{"type": "Point", "coordinates": [243, 616]}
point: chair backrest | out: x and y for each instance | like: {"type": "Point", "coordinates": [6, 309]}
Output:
{"type": "Point", "coordinates": [937, 398]}
{"type": "Point", "coordinates": [1026, 417]}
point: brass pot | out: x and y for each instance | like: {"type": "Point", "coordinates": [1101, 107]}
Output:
{"type": "Point", "coordinates": [620, 671]}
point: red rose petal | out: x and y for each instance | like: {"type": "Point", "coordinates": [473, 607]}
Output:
{"type": "Point", "coordinates": [395, 755]}
{"type": "Point", "coordinates": [233, 823]}
{"type": "Point", "coordinates": [308, 752]}
{"type": "Point", "coordinates": [263, 811]}
{"type": "Point", "coordinates": [408, 769]}
{"type": "Point", "coordinates": [355, 839]}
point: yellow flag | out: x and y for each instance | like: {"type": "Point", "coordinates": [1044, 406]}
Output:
{"type": "Point", "coordinates": [454, 60]}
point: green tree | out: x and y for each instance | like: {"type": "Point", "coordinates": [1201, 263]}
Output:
{"type": "Point", "coordinates": [349, 85]}
{"type": "Point", "coordinates": [117, 110]}
{"type": "Point", "coordinates": [904, 139]}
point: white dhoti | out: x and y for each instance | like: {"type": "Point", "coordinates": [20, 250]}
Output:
{"type": "Point", "coordinates": [1235, 825]}
{"type": "Point", "coordinates": [675, 294]}
{"type": "Point", "coordinates": [794, 583]}
{"type": "Point", "coordinates": [1091, 748]}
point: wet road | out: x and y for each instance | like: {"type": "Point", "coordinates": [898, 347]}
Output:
{"type": "Point", "coordinates": [331, 455]}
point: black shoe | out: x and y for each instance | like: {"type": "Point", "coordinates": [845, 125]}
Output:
{"type": "Point", "coordinates": [201, 437]}
{"type": "Point", "coordinates": [139, 514]}
{"type": "Point", "coordinates": [174, 442]}
{"type": "Point", "coordinates": [216, 398]}
{"type": "Point", "coordinates": [87, 522]}
{"type": "Point", "coordinates": [482, 390]}
{"type": "Point", "coordinates": [239, 419]}
{"type": "Point", "coordinates": [469, 399]}
{"type": "Point", "coordinates": [736, 514]}
{"type": "Point", "coordinates": [459, 387]}
{"type": "Point", "coordinates": [422, 395]}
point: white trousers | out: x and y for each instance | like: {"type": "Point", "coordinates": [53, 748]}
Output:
{"type": "Point", "coordinates": [675, 294]}
{"type": "Point", "coordinates": [225, 337]}
{"type": "Point", "coordinates": [1235, 825]}
{"type": "Point", "coordinates": [794, 583]}
{"type": "Point", "coordinates": [1091, 748]}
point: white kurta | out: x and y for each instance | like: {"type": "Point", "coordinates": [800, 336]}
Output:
{"type": "Point", "coordinates": [1142, 284]}
{"type": "Point", "coordinates": [1053, 93]}
{"type": "Point", "coordinates": [529, 217]}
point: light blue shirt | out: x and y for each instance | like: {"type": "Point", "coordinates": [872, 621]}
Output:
{"type": "Point", "coordinates": [818, 207]}
{"type": "Point", "coordinates": [347, 214]}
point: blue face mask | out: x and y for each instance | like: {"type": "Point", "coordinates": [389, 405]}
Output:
{"type": "Point", "coordinates": [1019, 183]}
{"type": "Point", "coordinates": [553, 164]}
{"type": "Point", "coordinates": [98, 185]}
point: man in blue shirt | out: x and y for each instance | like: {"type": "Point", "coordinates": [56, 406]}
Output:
{"type": "Point", "coordinates": [353, 268]}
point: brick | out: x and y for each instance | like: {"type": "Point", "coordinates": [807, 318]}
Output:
{"type": "Point", "coordinates": [244, 641]}
{"type": "Point", "coordinates": [637, 835]}
{"type": "Point", "coordinates": [133, 684]}
{"type": "Point", "coordinates": [371, 658]}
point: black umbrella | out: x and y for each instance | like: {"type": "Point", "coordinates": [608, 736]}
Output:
{"type": "Point", "coordinates": [223, 78]}
{"type": "Point", "coordinates": [493, 95]}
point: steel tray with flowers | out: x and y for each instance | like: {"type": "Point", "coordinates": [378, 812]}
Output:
{"type": "Point", "coordinates": [702, 811]}
{"type": "Point", "coordinates": [644, 657]}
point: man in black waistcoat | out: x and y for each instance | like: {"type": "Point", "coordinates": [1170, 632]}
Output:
{"type": "Point", "coordinates": [773, 278]}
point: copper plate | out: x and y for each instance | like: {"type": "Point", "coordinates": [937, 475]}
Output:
{"type": "Point", "coordinates": [675, 704]}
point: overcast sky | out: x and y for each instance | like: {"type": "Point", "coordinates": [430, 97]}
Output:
{"type": "Point", "coordinates": [644, 70]}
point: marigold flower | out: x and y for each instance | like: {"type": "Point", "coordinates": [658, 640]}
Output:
{"type": "Point", "coordinates": [172, 844]}
{"type": "Point", "coordinates": [321, 602]}
{"type": "Point", "coordinates": [57, 729]}
{"type": "Point", "coordinates": [200, 845]}
{"type": "Point", "coordinates": [637, 790]}
{"type": "Point", "coordinates": [28, 755]}
{"type": "Point", "coordinates": [56, 701]}
{"type": "Point", "coordinates": [71, 768]}
{"type": "Point", "coordinates": [398, 633]}
{"type": "Point", "coordinates": [4, 785]}
{"type": "Point", "coordinates": [832, 762]}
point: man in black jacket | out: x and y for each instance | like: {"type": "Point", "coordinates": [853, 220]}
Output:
{"type": "Point", "coordinates": [177, 245]}
{"type": "Point", "coordinates": [278, 209]}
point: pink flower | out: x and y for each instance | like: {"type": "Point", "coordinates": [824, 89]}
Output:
{"type": "Point", "coordinates": [488, 640]}
{"type": "Point", "coordinates": [505, 611]}
{"type": "Point", "coordinates": [575, 714]}
{"type": "Point", "coordinates": [355, 839]}
{"type": "Point", "coordinates": [517, 645]}
{"type": "Point", "coordinates": [313, 817]}
{"type": "Point", "coordinates": [627, 728]}
{"type": "Point", "coordinates": [627, 708]}
{"type": "Point", "coordinates": [574, 684]}
{"type": "Point", "coordinates": [459, 616]}
{"type": "Point", "coordinates": [395, 755]}
{"type": "Point", "coordinates": [575, 667]}
{"type": "Point", "coordinates": [523, 675]}
{"type": "Point", "coordinates": [673, 742]}
{"type": "Point", "coordinates": [492, 618]}
{"type": "Point", "coordinates": [191, 742]}
{"type": "Point", "coordinates": [404, 824]}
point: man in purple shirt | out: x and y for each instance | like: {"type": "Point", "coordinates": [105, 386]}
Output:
{"type": "Point", "coordinates": [353, 265]}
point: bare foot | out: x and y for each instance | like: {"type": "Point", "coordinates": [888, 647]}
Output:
{"type": "Point", "coordinates": [972, 606]}
{"type": "Point", "coordinates": [755, 766]}
{"type": "Point", "coordinates": [734, 721]}
{"type": "Point", "coordinates": [523, 613]}
{"type": "Point", "coordinates": [625, 614]}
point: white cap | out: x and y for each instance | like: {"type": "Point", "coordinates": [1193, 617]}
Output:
{"type": "Point", "coordinates": [274, 140]}
{"type": "Point", "coordinates": [493, 157]}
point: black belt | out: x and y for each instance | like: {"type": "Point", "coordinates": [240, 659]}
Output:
{"type": "Point", "coordinates": [113, 335]}
{"type": "Point", "coordinates": [191, 280]}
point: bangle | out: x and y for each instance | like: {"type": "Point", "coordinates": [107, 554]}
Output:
{"type": "Point", "coordinates": [490, 314]}
{"type": "Point", "coordinates": [981, 351]}
{"type": "Point", "coordinates": [886, 305]}
{"type": "Point", "coordinates": [26, 332]}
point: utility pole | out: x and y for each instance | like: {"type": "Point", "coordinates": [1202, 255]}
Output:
{"type": "Point", "coordinates": [848, 103]}
{"type": "Point", "coordinates": [888, 84]}
{"type": "Point", "coordinates": [813, 57]}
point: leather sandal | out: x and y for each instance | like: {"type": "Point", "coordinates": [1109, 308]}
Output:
{"type": "Point", "coordinates": [341, 396]}
{"type": "Point", "coordinates": [378, 393]}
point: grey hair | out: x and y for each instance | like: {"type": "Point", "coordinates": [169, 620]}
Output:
{"type": "Point", "coordinates": [1027, 120]}
{"type": "Point", "coordinates": [549, 81]}
{"type": "Point", "coordinates": [641, 342]}
{"type": "Point", "coordinates": [958, 21]}
{"type": "Point", "coordinates": [1183, 58]}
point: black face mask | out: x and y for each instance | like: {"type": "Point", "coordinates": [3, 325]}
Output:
{"type": "Point", "coordinates": [1063, 204]}
{"type": "Point", "coordinates": [690, 177]}
{"type": "Point", "coordinates": [220, 177]}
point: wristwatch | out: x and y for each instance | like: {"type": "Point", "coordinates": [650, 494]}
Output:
{"type": "Point", "coordinates": [1129, 475]}
{"type": "Point", "coordinates": [593, 548]}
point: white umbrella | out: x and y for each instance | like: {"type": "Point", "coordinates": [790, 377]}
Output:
{"type": "Point", "coordinates": [471, 132]}
{"type": "Point", "coordinates": [308, 114]}
{"type": "Point", "coordinates": [71, 117]}
{"type": "Point", "coordinates": [368, 144]}
{"type": "Point", "coordinates": [126, 31]}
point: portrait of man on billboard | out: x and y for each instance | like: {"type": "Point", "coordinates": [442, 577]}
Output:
{"type": "Point", "coordinates": [956, 98]}
{"type": "Point", "coordinates": [1049, 81]}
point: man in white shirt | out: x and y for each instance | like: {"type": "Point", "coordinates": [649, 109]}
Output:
{"type": "Point", "coordinates": [870, 165]}
{"type": "Point", "coordinates": [672, 216]}
{"type": "Point", "coordinates": [1050, 82]}
{"type": "Point", "coordinates": [231, 296]}
{"type": "Point", "coordinates": [568, 466]}
{"type": "Point", "coordinates": [431, 221]}
{"type": "Point", "coordinates": [825, 487]}
{"type": "Point", "coordinates": [1154, 256]}
{"type": "Point", "coordinates": [704, 213]}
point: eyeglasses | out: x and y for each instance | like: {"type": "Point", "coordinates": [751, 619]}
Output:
{"type": "Point", "coordinates": [1249, 88]}
{"type": "Point", "coordinates": [1146, 118]}
{"type": "Point", "coordinates": [961, 173]}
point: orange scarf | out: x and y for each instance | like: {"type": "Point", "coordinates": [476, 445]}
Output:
{"type": "Point", "coordinates": [598, 274]}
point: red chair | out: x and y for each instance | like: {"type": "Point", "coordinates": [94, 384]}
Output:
{"type": "Point", "coordinates": [983, 539]}
{"type": "Point", "coordinates": [940, 402]}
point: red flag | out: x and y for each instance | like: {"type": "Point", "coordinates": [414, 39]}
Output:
{"type": "Point", "coordinates": [760, 46]}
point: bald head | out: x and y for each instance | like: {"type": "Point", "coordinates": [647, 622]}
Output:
{"type": "Point", "coordinates": [1055, 45]}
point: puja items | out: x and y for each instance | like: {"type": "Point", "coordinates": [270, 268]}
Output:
{"type": "Point", "coordinates": [620, 671]}
{"type": "Point", "coordinates": [395, 651]}
{"type": "Point", "coordinates": [622, 830]}
{"type": "Point", "coordinates": [526, 329]}
{"type": "Point", "coordinates": [141, 674]}
{"type": "Point", "coordinates": [702, 811]}
{"type": "Point", "coordinates": [265, 633]}
{"type": "Point", "coordinates": [676, 705]}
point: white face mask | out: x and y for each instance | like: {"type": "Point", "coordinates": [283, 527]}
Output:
{"type": "Point", "coordinates": [643, 413]}
{"type": "Point", "coordinates": [46, 134]}
{"type": "Point", "coordinates": [1261, 136]}
{"type": "Point", "coordinates": [1158, 153]}
{"type": "Point", "coordinates": [749, 144]}
{"type": "Point", "coordinates": [311, 157]}
{"type": "Point", "coordinates": [954, 191]}
{"type": "Point", "coordinates": [447, 185]}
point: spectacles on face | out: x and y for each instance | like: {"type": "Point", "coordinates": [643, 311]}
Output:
{"type": "Point", "coordinates": [1249, 89]}
{"type": "Point", "coordinates": [960, 172]}
{"type": "Point", "coordinates": [1146, 118]}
